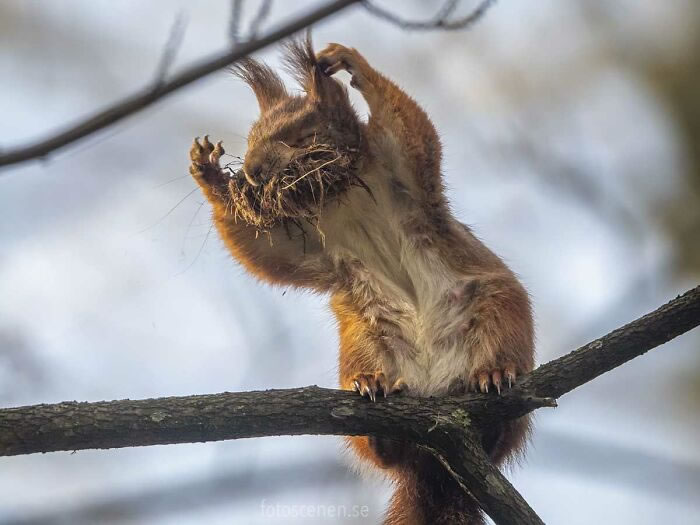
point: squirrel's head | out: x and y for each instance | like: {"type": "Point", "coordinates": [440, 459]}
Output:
{"type": "Point", "coordinates": [297, 135]}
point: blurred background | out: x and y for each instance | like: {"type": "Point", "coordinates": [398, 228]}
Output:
{"type": "Point", "coordinates": [571, 134]}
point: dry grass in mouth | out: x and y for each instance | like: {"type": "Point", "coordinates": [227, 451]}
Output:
{"type": "Point", "coordinates": [316, 174]}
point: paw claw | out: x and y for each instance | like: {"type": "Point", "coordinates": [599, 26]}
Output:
{"type": "Point", "coordinates": [204, 166]}
{"type": "Point", "coordinates": [509, 373]}
{"type": "Point", "coordinates": [483, 380]}
{"type": "Point", "coordinates": [399, 386]}
{"type": "Point", "coordinates": [336, 57]}
{"type": "Point", "coordinates": [496, 380]}
{"type": "Point", "coordinates": [370, 384]}
{"type": "Point", "coordinates": [216, 153]}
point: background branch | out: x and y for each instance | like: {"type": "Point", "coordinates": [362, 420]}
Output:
{"type": "Point", "coordinates": [259, 19]}
{"type": "Point", "coordinates": [172, 46]}
{"type": "Point", "coordinates": [439, 21]}
{"type": "Point", "coordinates": [162, 88]}
{"type": "Point", "coordinates": [234, 25]}
{"type": "Point", "coordinates": [148, 96]}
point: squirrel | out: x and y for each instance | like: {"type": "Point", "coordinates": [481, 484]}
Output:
{"type": "Point", "coordinates": [326, 202]}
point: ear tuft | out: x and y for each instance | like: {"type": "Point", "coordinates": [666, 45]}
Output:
{"type": "Point", "coordinates": [300, 61]}
{"type": "Point", "coordinates": [265, 83]}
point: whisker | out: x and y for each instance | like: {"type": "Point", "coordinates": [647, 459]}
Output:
{"type": "Point", "coordinates": [171, 181]}
{"type": "Point", "coordinates": [169, 211]}
{"type": "Point", "coordinates": [201, 248]}
{"type": "Point", "coordinates": [189, 226]}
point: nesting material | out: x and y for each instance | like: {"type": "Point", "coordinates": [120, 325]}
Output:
{"type": "Point", "coordinates": [316, 175]}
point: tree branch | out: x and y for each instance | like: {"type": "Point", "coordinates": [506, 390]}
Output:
{"type": "Point", "coordinates": [172, 46]}
{"type": "Point", "coordinates": [214, 417]}
{"type": "Point", "coordinates": [148, 96]}
{"type": "Point", "coordinates": [562, 375]}
{"type": "Point", "coordinates": [448, 427]}
{"type": "Point", "coordinates": [161, 88]}
{"type": "Point", "coordinates": [439, 21]}
{"type": "Point", "coordinates": [260, 16]}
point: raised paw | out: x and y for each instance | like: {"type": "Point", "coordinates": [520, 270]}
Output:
{"type": "Point", "coordinates": [371, 384]}
{"type": "Point", "coordinates": [336, 57]}
{"type": "Point", "coordinates": [204, 159]}
{"type": "Point", "coordinates": [497, 378]}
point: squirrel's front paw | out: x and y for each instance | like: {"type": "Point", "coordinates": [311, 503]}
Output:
{"type": "Point", "coordinates": [336, 57]}
{"type": "Point", "coordinates": [371, 384]}
{"type": "Point", "coordinates": [204, 166]}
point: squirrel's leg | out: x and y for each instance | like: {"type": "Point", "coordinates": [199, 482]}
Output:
{"type": "Point", "coordinates": [393, 112]}
{"type": "Point", "coordinates": [498, 336]}
{"type": "Point", "coordinates": [360, 370]}
{"type": "Point", "coordinates": [283, 255]}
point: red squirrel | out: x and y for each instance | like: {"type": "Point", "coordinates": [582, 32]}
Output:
{"type": "Point", "coordinates": [329, 203]}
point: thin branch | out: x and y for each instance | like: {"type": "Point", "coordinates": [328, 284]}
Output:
{"type": "Point", "coordinates": [148, 96]}
{"type": "Point", "coordinates": [234, 27]}
{"type": "Point", "coordinates": [259, 19]}
{"type": "Point", "coordinates": [172, 46]}
{"type": "Point", "coordinates": [439, 21]}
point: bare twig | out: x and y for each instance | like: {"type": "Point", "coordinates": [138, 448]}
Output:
{"type": "Point", "coordinates": [439, 21]}
{"type": "Point", "coordinates": [234, 27]}
{"type": "Point", "coordinates": [148, 96]}
{"type": "Point", "coordinates": [259, 19]}
{"type": "Point", "coordinates": [177, 32]}
{"type": "Point", "coordinates": [161, 88]}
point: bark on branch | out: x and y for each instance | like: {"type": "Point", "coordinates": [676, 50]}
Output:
{"type": "Point", "coordinates": [448, 427]}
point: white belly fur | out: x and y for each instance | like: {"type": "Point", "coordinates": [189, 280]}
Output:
{"type": "Point", "coordinates": [405, 286]}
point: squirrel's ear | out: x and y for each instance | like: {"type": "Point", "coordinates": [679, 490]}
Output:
{"type": "Point", "coordinates": [265, 83]}
{"type": "Point", "coordinates": [301, 62]}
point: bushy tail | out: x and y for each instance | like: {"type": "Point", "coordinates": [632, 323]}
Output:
{"type": "Point", "coordinates": [427, 494]}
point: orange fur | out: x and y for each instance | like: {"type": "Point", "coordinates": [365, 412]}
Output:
{"type": "Point", "coordinates": [422, 305]}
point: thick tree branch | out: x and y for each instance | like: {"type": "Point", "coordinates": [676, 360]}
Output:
{"type": "Point", "coordinates": [448, 427]}
{"type": "Point", "coordinates": [148, 96]}
{"type": "Point", "coordinates": [214, 417]}
{"type": "Point", "coordinates": [459, 450]}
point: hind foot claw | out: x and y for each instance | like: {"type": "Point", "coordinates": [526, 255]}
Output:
{"type": "Point", "coordinates": [371, 384]}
